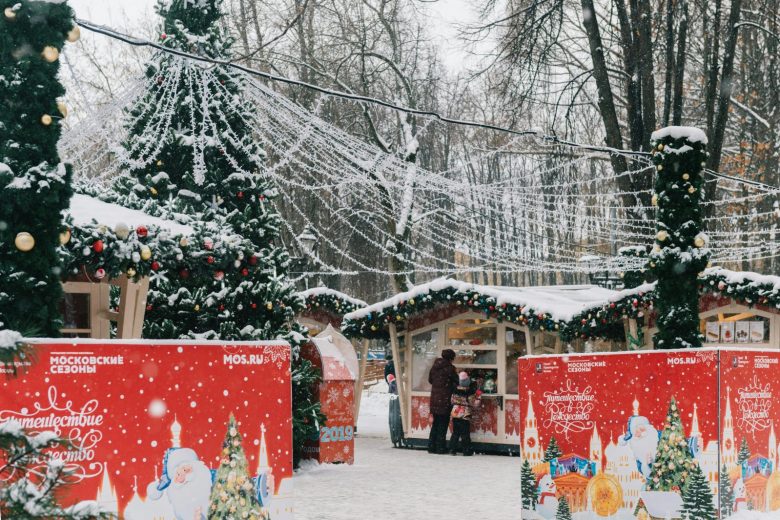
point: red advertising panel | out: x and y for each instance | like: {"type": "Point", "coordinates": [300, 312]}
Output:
{"type": "Point", "coordinates": [149, 420]}
{"type": "Point", "coordinates": [750, 382]}
{"type": "Point", "coordinates": [612, 416]}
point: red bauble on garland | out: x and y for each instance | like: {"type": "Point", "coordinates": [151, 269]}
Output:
{"type": "Point", "coordinates": [210, 259]}
{"type": "Point", "coordinates": [141, 231]}
{"type": "Point", "coordinates": [100, 273]}
{"type": "Point", "coordinates": [98, 246]}
{"type": "Point", "coordinates": [184, 273]}
{"type": "Point", "coordinates": [253, 260]}
{"type": "Point", "coordinates": [155, 266]}
{"type": "Point", "coordinates": [244, 272]}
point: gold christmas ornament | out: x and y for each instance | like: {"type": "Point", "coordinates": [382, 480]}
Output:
{"type": "Point", "coordinates": [660, 147]}
{"type": "Point", "coordinates": [699, 242]}
{"type": "Point", "coordinates": [24, 242]}
{"type": "Point", "coordinates": [654, 200]}
{"type": "Point", "coordinates": [605, 494]}
{"type": "Point", "coordinates": [74, 34]}
{"type": "Point", "coordinates": [269, 306]}
{"type": "Point", "coordinates": [65, 237]}
{"type": "Point", "coordinates": [153, 191]}
{"type": "Point", "coordinates": [197, 308]}
{"type": "Point", "coordinates": [662, 235]}
{"type": "Point", "coordinates": [10, 13]}
{"type": "Point", "coordinates": [146, 253]}
{"type": "Point", "coordinates": [50, 54]}
{"type": "Point", "coordinates": [659, 167]}
{"type": "Point", "coordinates": [46, 119]}
{"type": "Point", "coordinates": [62, 108]}
{"type": "Point", "coordinates": [184, 242]}
{"type": "Point", "coordinates": [159, 163]}
{"type": "Point", "coordinates": [691, 190]}
{"type": "Point", "coordinates": [686, 176]}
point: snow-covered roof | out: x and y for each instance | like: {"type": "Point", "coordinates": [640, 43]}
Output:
{"type": "Point", "coordinates": [324, 291]}
{"type": "Point", "coordinates": [662, 504]}
{"type": "Point", "coordinates": [744, 277]}
{"type": "Point", "coordinates": [85, 209]}
{"type": "Point", "coordinates": [562, 302]}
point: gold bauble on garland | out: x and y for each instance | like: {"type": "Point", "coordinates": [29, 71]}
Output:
{"type": "Point", "coordinates": [65, 237]}
{"type": "Point", "coordinates": [699, 242]}
{"type": "Point", "coordinates": [74, 34]}
{"type": "Point", "coordinates": [24, 242]}
{"type": "Point", "coordinates": [686, 176]}
{"type": "Point", "coordinates": [50, 54]}
{"type": "Point", "coordinates": [691, 190]}
{"type": "Point", "coordinates": [654, 200]}
{"type": "Point", "coordinates": [662, 235]}
{"type": "Point", "coordinates": [146, 253]}
{"type": "Point", "coordinates": [46, 119]}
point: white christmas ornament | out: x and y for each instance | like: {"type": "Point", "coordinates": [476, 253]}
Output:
{"type": "Point", "coordinates": [122, 231]}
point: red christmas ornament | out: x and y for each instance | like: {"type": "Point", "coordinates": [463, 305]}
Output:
{"type": "Point", "coordinates": [163, 36]}
{"type": "Point", "coordinates": [184, 273]}
{"type": "Point", "coordinates": [612, 305]}
{"type": "Point", "coordinates": [254, 306]}
{"type": "Point", "coordinates": [98, 246]}
{"type": "Point", "coordinates": [219, 275]}
{"type": "Point", "coordinates": [100, 273]}
{"type": "Point", "coordinates": [240, 194]}
{"type": "Point", "coordinates": [148, 307]}
{"type": "Point", "coordinates": [221, 308]}
{"type": "Point", "coordinates": [261, 197]}
{"type": "Point", "coordinates": [155, 266]}
{"type": "Point", "coordinates": [210, 259]}
{"type": "Point", "coordinates": [244, 272]}
{"type": "Point", "coordinates": [253, 260]}
{"type": "Point", "coordinates": [208, 244]}
{"type": "Point", "coordinates": [141, 231]}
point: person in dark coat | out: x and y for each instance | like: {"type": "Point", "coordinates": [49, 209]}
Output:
{"type": "Point", "coordinates": [443, 378]}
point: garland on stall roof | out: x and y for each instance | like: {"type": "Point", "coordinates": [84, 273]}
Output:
{"type": "Point", "coordinates": [331, 303]}
{"type": "Point", "coordinates": [373, 325]}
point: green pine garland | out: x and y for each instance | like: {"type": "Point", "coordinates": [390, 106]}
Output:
{"type": "Point", "coordinates": [34, 184]}
{"type": "Point", "coordinates": [331, 303]}
{"type": "Point", "coordinates": [680, 251]}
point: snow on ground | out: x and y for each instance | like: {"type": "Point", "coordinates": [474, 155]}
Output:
{"type": "Point", "coordinates": [386, 482]}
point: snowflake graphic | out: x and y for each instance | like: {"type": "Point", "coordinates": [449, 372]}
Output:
{"type": "Point", "coordinates": [347, 391]}
{"type": "Point", "coordinates": [423, 410]}
{"type": "Point", "coordinates": [333, 395]}
{"type": "Point", "coordinates": [278, 354]}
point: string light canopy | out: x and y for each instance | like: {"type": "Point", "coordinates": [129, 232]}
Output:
{"type": "Point", "coordinates": [542, 216]}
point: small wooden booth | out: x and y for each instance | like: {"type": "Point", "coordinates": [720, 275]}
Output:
{"type": "Point", "coordinates": [109, 233]}
{"type": "Point", "coordinates": [326, 308]}
{"type": "Point", "coordinates": [736, 309]}
{"type": "Point", "coordinates": [489, 328]}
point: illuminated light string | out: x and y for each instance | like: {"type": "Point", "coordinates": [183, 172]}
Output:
{"type": "Point", "coordinates": [340, 168]}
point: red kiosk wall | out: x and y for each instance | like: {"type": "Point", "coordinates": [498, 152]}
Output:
{"type": "Point", "coordinates": [590, 403]}
{"type": "Point", "coordinates": [130, 405]}
{"type": "Point", "coordinates": [336, 443]}
{"type": "Point", "coordinates": [750, 383]}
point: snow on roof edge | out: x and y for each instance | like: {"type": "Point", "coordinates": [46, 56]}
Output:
{"type": "Point", "coordinates": [316, 291]}
{"type": "Point", "coordinates": [85, 209]}
{"type": "Point", "coordinates": [523, 296]}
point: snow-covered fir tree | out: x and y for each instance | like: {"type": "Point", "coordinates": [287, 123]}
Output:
{"type": "Point", "coordinates": [744, 452]}
{"type": "Point", "coordinates": [528, 488]}
{"type": "Point", "coordinates": [34, 184]}
{"type": "Point", "coordinates": [564, 512]}
{"type": "Point", "coordinates": [190, 154]}
{"type": "Point", "coordinates": [553, 451]}
{"type": "Point", "coordinates": [725, 492]}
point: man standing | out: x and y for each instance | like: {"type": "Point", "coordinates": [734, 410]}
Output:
{"type": "Point", "coordinates": [443, 379]}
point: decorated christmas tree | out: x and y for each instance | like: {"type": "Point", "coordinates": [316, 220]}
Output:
{"type": "Point", "coordinates": [34, 184]}
{"type": "Point", "coordinates": [697, 497]}
{"type": "Point", "coordinates": [232, 494]}
{"type": "Point", "coordinates": [744, 452]}
{"type": "Point", "coordinates": [680, 252]}
{"type": "Point", "coordinates": [673, 462]}
{"type": "Point", "coordinates": [564, 513]}
{"type": "Point", "coordinates": [553, 451]}
{"type": "Point", "coordinates": [725, 493]}
{"type": "Point", "coordinates": [528, 489]}
{"type": "Point", "coordinates": [632, 275]}
{"type": "Point", "coordinates": [191, 155]}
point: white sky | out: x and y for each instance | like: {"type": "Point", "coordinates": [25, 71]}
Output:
{"type": "Point", "coordinates": [445, 16]}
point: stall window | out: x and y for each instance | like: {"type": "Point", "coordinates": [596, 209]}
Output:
{"type": "Point", "coordinates": [75, 310]}
{"type": "Point", "coordinates": [424, 353]}
{"type": "Point", "coordinates": [474, 342]}
{"type": "Point", "coordinates": [735, 328]}
{"type": "Point", "coordinates": [546, 343]}
{"type": "Point", "coordinates": [515, 346]}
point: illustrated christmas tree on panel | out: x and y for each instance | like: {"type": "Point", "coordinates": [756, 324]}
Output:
{"type": "Point", "coordinates": [232, 495]}
{"type": "Point", "coordinates": [34, 184]}
{"type": "Point", "coordinates": [553, 451]}
{"type": "Point", "coordinates": [697, 497]}
{"type": "Point", "coordinates": [528, 488]}
{"type": "Point", "coordinates": [673, 463]}
{"type": "Point", "coordinates": [190, 155]}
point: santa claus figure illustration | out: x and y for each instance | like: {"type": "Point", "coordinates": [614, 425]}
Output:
{"type": "Point", "coordinates": [548, 502]}
{"type": "Point", "coordinates": [186, 482]}
{"type": "Point", "coordinates": [642, 438]}
{"type": "Point", "coordinates": [740, 496]}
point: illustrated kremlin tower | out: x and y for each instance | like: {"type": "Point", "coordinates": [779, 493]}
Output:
{"type": "Point", "coordinates": [532, 447]}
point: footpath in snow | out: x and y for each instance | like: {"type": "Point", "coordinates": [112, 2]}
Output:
{"type": "Point", "coordinates": [390, 483]}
